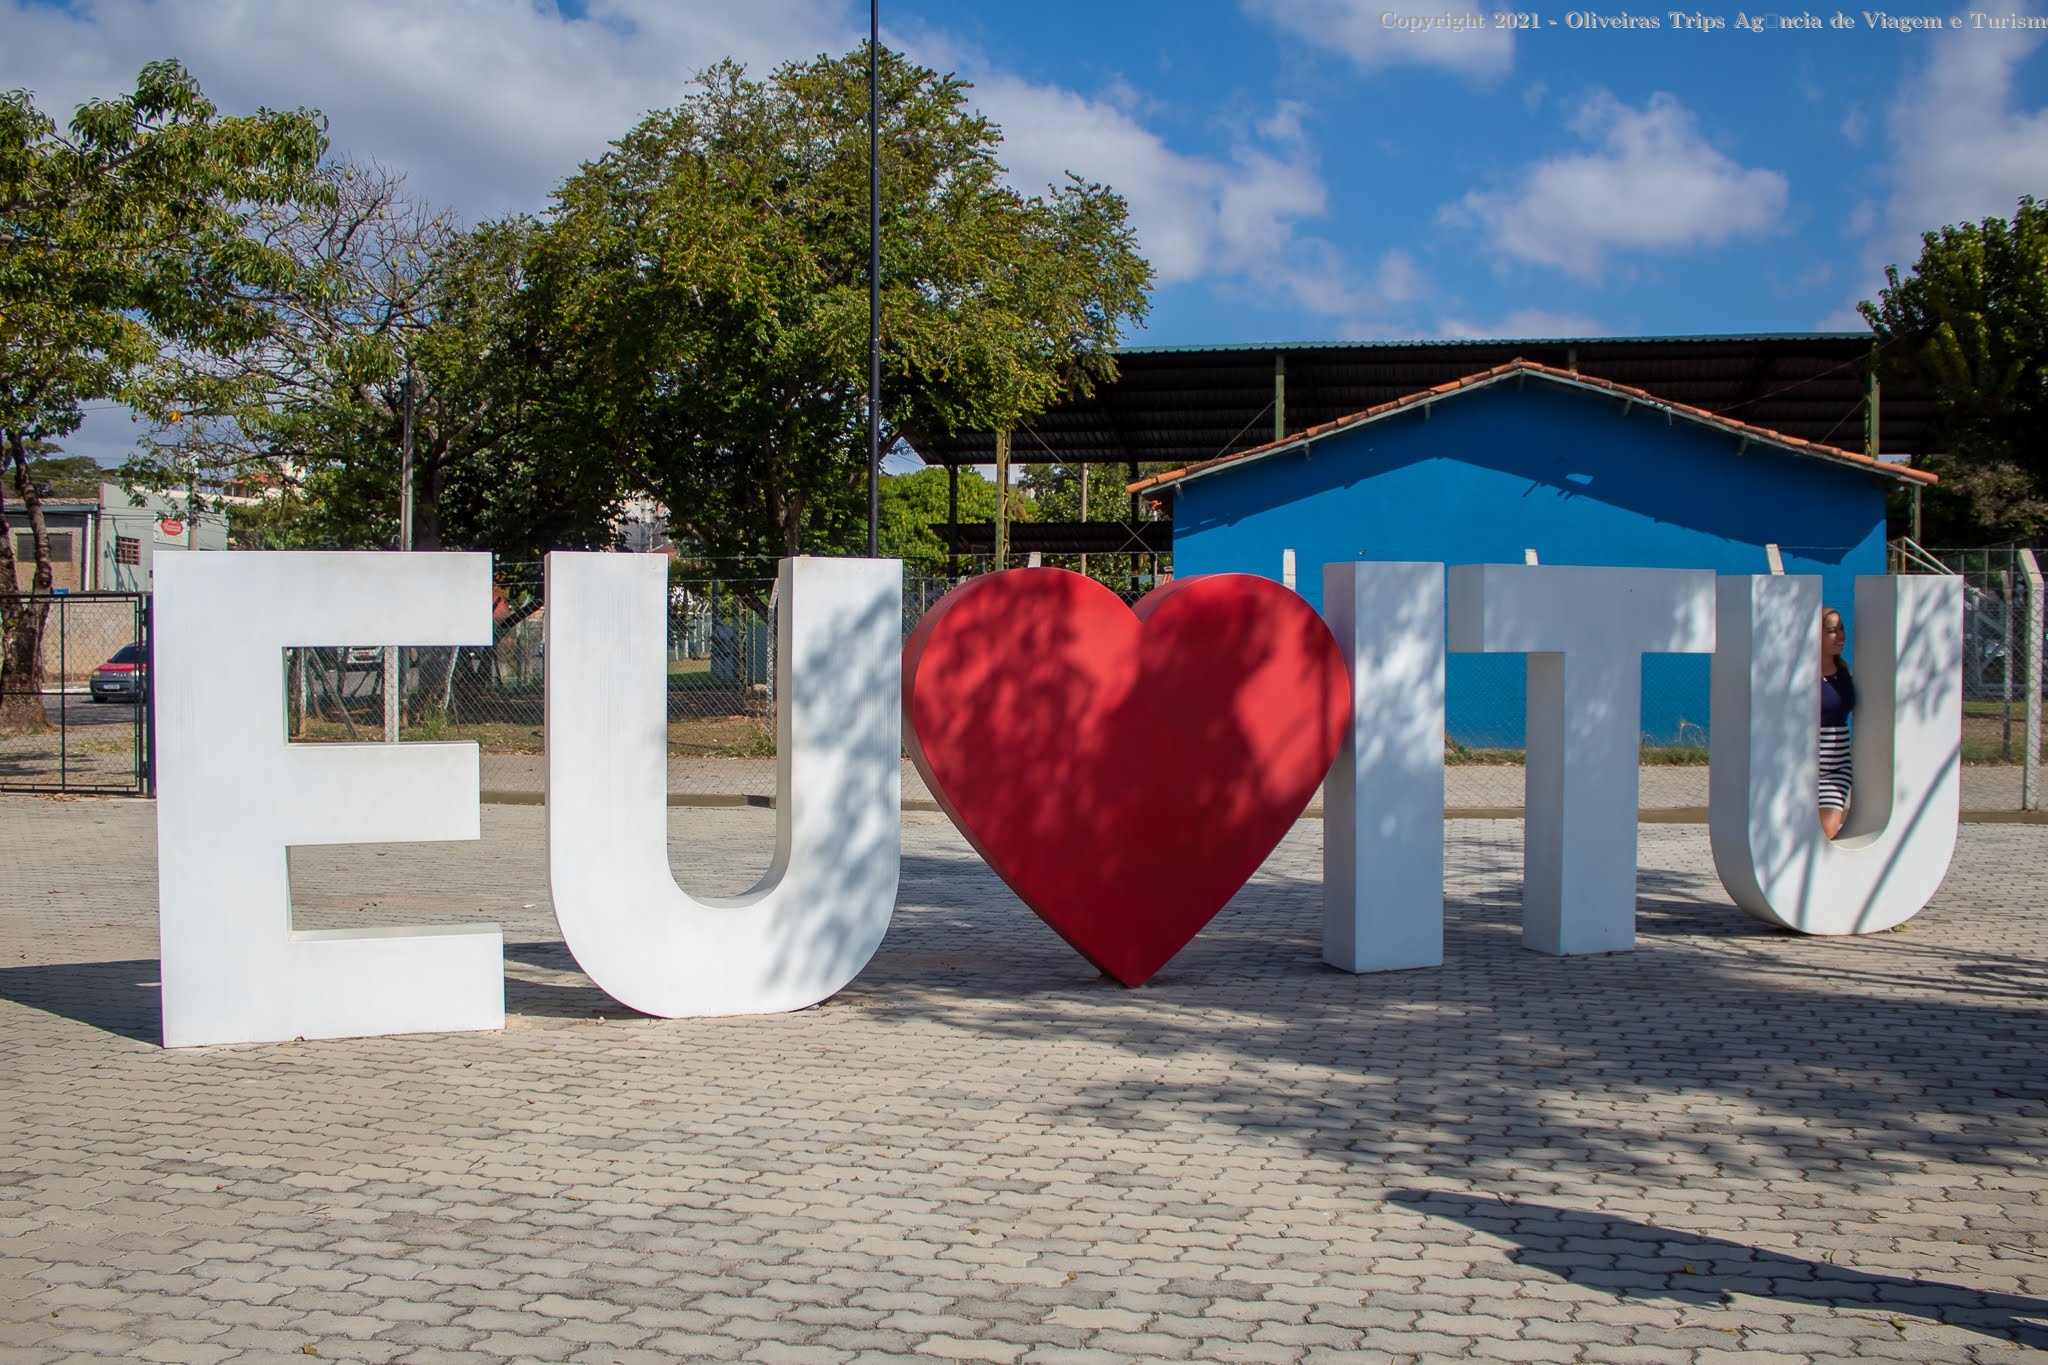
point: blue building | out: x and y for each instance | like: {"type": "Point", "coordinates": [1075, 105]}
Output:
{"type": "Point", "coordinates": [1526, 457]}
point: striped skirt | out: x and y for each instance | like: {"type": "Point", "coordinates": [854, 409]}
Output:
{"type": "Point", "coordinates": [1834, 767]}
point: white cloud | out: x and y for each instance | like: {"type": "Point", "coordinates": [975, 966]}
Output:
{"type": "Point", "coordinates": [1234, 221]}
{"type": "Point", "coordinates": [1653, 183]}
{"type": "Point", "coordinates": [485, 104]}
{"type": "Point", "coordinates": [1355, 29]}
{"type": "Point", "coordinates": [1960, 150]}
{"type": "Point", "coordinates": [1523, 324]}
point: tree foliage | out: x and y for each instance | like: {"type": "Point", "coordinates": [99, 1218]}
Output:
{"type": "Point", "coordinates": [57, 475]}
{"type": "Point", "coordinates": [1971, 322]}
{"type": "Point", "coordinates": [391, 296]}
{"type": "Point", "coordinates": [711, 271]}
{"type": "Point", "coordinates": [124, 237]}
{"type": "Point", "coordinates": [914, 503]}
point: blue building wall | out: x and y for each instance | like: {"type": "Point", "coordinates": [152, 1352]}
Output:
{"type": "Point", "coordinates": [1488, 474]}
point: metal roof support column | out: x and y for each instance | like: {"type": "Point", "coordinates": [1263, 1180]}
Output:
{"type": "Point", "coordinates": [1132, 465]}
{"type": "Point", "coordinates": [1084, 511]}
{"type": "Point", "coordinates": [953, 518]}
{"type": "Point", "coordinates": [1279, 396]}
{"type": "Point", "coordinates": [1002, 500]}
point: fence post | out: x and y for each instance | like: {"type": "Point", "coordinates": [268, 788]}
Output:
{"type": "Point", "coordinates": [2030, 769]}
{"type": "Point", "coordinates": [2005, 586]}
{"type": "Point", "coordinates": [145, 613]}
{"type": "Point", "coordinates": [63, 707]}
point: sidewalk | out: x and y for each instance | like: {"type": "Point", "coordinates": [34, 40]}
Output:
{"type": "Point", "coordinates": [1469, 789]}
{"type": "Point", "coordinates": [1730, 1141]}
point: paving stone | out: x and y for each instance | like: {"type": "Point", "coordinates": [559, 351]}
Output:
{"type": "Point", "coordinates": [1729, 1142]}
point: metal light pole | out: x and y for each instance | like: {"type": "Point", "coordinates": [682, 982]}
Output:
{"type": "Point", "coordinates": [394, 680]}
{"type": "Point", "coordinates": [874, 280]}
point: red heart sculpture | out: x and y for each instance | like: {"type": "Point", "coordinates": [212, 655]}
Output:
{"type": "Point", "coordinates": [1124, 770]}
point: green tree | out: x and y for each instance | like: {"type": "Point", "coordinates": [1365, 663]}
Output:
{"type": "Point", "coordinates": [57, 475]}
{"type": "Point", "coordinates": [391, 298]}
{"type": "Point", "coordinates": [397, 319]}
{"type": "Point", "coordinates": [124, 236]}
{"type": "Point", "coordinates": [914, 503]}
{"type": "Point", "coordinates": [1971, 322]}
{"type": "Point", "coordinates": [711, 271]}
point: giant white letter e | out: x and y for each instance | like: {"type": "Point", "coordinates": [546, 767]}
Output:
{"type": "Point", "coordinates": [232, 796]}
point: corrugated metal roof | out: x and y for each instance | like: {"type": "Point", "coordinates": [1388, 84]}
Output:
{"type": "Point", "coordinates": [1213, 348]}
{"type": "Point", "coordinates": [1517, 369]}
{"type": "Point", "coordinates": [1182, 405]}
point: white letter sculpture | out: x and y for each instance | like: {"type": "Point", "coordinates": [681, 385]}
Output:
{"type": "Point", "coordinates": [1383, 803]}
{"type": "Point", "coordinates": [1763, 815]}
{"type": "Point", "coordinates": [816, 918]}
{"type": "Point", "coordinates": [1585, 631]}
{"type": "Point", "coordinates": [232, 796]}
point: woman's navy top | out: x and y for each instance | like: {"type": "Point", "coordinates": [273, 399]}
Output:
{"type": "Point", "coordinates": [1837, 697]}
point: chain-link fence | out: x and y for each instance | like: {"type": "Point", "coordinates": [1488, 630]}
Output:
{"type": "Point", "coordinates": [722, 671]}
{"type": "Point", "coordinates": [1485, 714]}
{"type": "Point", "coordinates": [721, 688]}
{"type": "Point", "coordinates": [2002, 670]}
{"type": "Point", "coordinates": [75, 717]}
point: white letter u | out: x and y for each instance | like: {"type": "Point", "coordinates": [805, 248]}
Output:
{"type": "Point", "coordinates": [1764, 809]}
{"type": "Point", "coordinates": [810, 925]}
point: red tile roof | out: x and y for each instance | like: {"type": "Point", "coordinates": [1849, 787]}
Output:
{"type": "Point", "coordinates": [1520, 368]}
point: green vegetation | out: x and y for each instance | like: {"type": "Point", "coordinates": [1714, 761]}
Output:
{"type": "Point", "coordinates": [1653, 756]}
{"type": "Point", "coordinates": [1971, 320]}
{"type": "Point", "coordinates": [913, 503]}
{"type": "Point", "coordinates": [686, 322]}
{"type": "Point", "coordinates": [127, 242]}
{"type": "Point", "coordinates": [706, 283]}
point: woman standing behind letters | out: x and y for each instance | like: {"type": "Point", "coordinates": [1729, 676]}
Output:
{"type": "Point", "coordinates": [1837, 700]}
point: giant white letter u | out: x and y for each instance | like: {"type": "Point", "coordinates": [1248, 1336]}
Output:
{"type": "Point", "coordinates": [820, 912]}
{"type": "Point", "coordinates": [1764, 818]}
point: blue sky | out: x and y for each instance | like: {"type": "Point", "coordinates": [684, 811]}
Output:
{"type": "Point", "coordinates": [1298, 170]}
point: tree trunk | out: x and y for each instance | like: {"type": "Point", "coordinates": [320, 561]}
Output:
{"type": "Point", "coordinates": [21, 623]}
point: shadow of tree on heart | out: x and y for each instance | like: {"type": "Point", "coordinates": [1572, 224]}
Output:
{"type": "Point", "coordinates": [1123, 770]}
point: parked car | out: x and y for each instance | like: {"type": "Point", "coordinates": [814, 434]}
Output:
{"type": "Point", "coordinates": [125, 677]}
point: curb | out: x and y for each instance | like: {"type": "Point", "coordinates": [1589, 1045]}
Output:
{"type": "Point", "coordinates": [1648, 815]}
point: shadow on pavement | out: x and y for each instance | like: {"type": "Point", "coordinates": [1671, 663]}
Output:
{"type": "Point", "coordinates": [1840, 1060]}
{"type": "Point", "coordinates": [121, 998]}
{"type": "Point", "coordinates": [1633, 1260]}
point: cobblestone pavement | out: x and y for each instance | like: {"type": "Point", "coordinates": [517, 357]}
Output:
{"type": "Point", "coordinates": [1731, 1142]}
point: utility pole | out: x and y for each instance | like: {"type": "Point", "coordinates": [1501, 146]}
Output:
{"type": "Point", "coordinates": [874, 279]}
{"type": "Point", "coordinates": [393, 679]}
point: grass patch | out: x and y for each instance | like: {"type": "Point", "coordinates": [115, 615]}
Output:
{"type": "Point", "coordinates": [708, 737]}
{"type": "Point", "coordinates": [1984, 734]}
{"type": "Point", "coordinates": [1653, 756]}
{"type": "Point", "coordinates": [1458, 755]}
